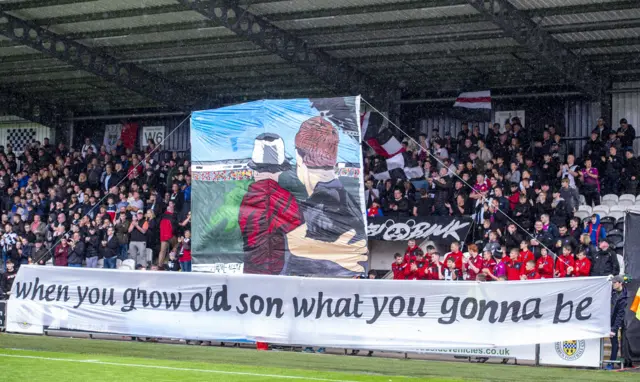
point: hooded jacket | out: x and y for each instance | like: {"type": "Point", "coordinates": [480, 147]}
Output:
{"type": "Point", "coordinates": [596, 231]}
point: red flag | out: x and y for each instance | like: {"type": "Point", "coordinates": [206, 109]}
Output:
{"type": "Point", "coordinates": [129, 135]}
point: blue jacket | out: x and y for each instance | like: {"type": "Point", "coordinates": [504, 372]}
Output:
{"type": "Point", "coordinates": [593, 229]}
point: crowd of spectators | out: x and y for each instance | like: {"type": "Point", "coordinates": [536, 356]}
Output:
{"type": "Point", "coordinates": [93, 207]}
{"type": "Point", "coordinates": [522, 188]}
{"type": "Point", "coordinates": [90, 207]}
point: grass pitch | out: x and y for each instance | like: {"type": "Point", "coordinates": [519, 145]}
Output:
{"type": "Point", "coordinates": [29, 358]}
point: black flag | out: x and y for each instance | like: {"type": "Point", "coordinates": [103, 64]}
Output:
{"type": "Point", "coordinates": [631, 333]}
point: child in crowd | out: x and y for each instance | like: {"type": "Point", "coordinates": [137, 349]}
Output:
{"type": "Point", "coordinates": [416, 270]}
{"type": "Point", "coordinates": [451, 272]}
{"type": "Point", "coordinates": [398, 267]}
{"type": "Point", "coordinates": [172, 265]}
{"type": "Point", "coordinates": [544, 265]}
{"type": "Point", "coordinates": [184, 252]}
{"type": "Point", "coordinates": [515, 267]}
{"type": "Point", "coordinates": [375, 209]}
{"type": "Point", "coordinates": [530, 272]}
{"type": "Point", "coordinates": [582, 265]}
{"type": "Point", "coordinates": [565, 263]}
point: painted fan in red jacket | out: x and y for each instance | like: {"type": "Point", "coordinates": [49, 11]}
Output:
{"type": "Point", "coordinates": [267, 213]}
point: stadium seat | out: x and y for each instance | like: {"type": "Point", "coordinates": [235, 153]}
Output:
{"type": "Point", "coordinates": [601, 209]}
{"type": "Point", "coordinates": [614, 240]}
{"type": "Point", "coordinates": [638, 198]}
{"type": "Point", "coordinates": [626, 202]}
{"type": "Point", "coordinates": [609, 202]}
{"type": "Point", "coordinates": [612, 197]}
{"type": "Point", "coordinates": [620, 224]}
{"type": "Point", "coordinates": [630, 197]}
{"type": "Point", "coordinates": [582, 200]}
{"type": "Point", "coordinates": [581, 214]}
{"type": "Point", "coordinates": [585, 208]}
{"type": "Point", "coordinates": [616, 214]}
{"type": "Point", "coordinates": [128, 264]}
{"type": "Point", "coordinates": [615, 232]}
{"type": "Point", "coordinates": [608, 222]}
{"type": "Point", "coordinates": [634, 208]}
{"type": "Point", "coordinates": [618, 208]}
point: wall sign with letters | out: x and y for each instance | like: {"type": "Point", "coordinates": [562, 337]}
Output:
{"type": "Point", "coordinates": [421, 227]}
{"type": "Point", "coordinates": [151, 132]}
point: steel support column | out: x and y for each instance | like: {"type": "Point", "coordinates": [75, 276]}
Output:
{"type": "Point", "coordinates": [526, 32]}
{"type": "Point", "coordinates": [338, 75]}
{"type": "Point", "coordinates": [25, 107]}
{"type": "Point", "coordinates": [102, 65]}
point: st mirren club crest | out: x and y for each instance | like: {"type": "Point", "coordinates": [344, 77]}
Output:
{"type": "Point", "coordinates": [112, 138]}
{"type": "Point", "coordinates": [570, 350]}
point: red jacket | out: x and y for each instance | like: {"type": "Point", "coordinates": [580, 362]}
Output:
{"type": "Point", "coordinates": [457, 257]}
{"type": "Point", "coordinates": [431, 273]}
{"type": "Point", "coordinates": [61, 256]}
{"type": "Point", "coordinates": [546, 272]}
{"type": "Point", "coordinates": [525, 256]}
{"type": "Point", "coordinates": [398, 270]}
{"type": "Point", "coordinates": [267, 213]}
{"type": "Point", "coordinates": [514, 270]}
{"type": "Point", "coordinates": [533, 275]}
{"type": "Point", "coordinates": [418, 274]}
{"type": "Point", "coordinates": [513, 200]}
{"type": "Point", "coordinates": [489, 264]}
{"type": "Point", "coordinates": [582, 268]}
{"type": "Point", "coordinates": [185, 250]}
{"type": "Point", "coordinates": [562, 263]}
{"type": "Point", "coordinates": [478, 263]}
{"type": "Point", "coordinates": [410, 254]}
{"type": "Point", "coordinates": [166, 226]}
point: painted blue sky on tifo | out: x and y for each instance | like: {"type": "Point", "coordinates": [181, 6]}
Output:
{"type": "Point", "coordinates": [229, 132]}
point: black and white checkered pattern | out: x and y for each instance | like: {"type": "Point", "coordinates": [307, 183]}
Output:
{"type": "Point", "coordinates": [19, 138]}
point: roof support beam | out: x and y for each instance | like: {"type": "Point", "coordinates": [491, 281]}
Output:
{"type": "Point", "coordinates": [102, 65]}
{"type": "Point", "coordinates": [527, 33]}
{"type": "Point", "coordinates": [336, 73]}
{"type": "Point", "coordinates": [26, 107]}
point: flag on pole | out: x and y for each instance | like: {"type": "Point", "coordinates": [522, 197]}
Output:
{"type": "Point", "coordinates": [111, 135]}
{"type": "Point", "coordinates": [474, 100]}
{"type": "Point", "coordinates": [635, 305]}
{"type": "Point", "coordinates": [472, 107]}
{"type": "Point", "coordinates": [386, 141]}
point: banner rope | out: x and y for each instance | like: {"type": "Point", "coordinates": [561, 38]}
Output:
{"type": "Point", "coordinates": [484, 197]}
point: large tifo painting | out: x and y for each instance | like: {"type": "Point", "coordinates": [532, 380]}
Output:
{"type": "Point", "coordinates": [277, 188]}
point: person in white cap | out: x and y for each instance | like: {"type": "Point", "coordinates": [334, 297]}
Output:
{"type": "Point", "coordinates": [268, 211]}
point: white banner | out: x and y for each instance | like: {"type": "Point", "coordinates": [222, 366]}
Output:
{"type": "Point", "coordinates": [522, 352]}
{"type": "Point", "coordinates": [346, 313]}
{"type": "Point", "coordinates": [151, 132]}
{"type": "Point", "coordinates": [576, 353]}
{"type": "Point", "coordinates": [111, 135]}
{"type": "Point", "coordinates": [502, 116]}
{"type": "Point", "coordinates": [18, 326]}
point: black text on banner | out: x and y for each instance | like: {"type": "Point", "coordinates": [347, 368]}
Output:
{"type": "Point", "coordinates": [347, 313]}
